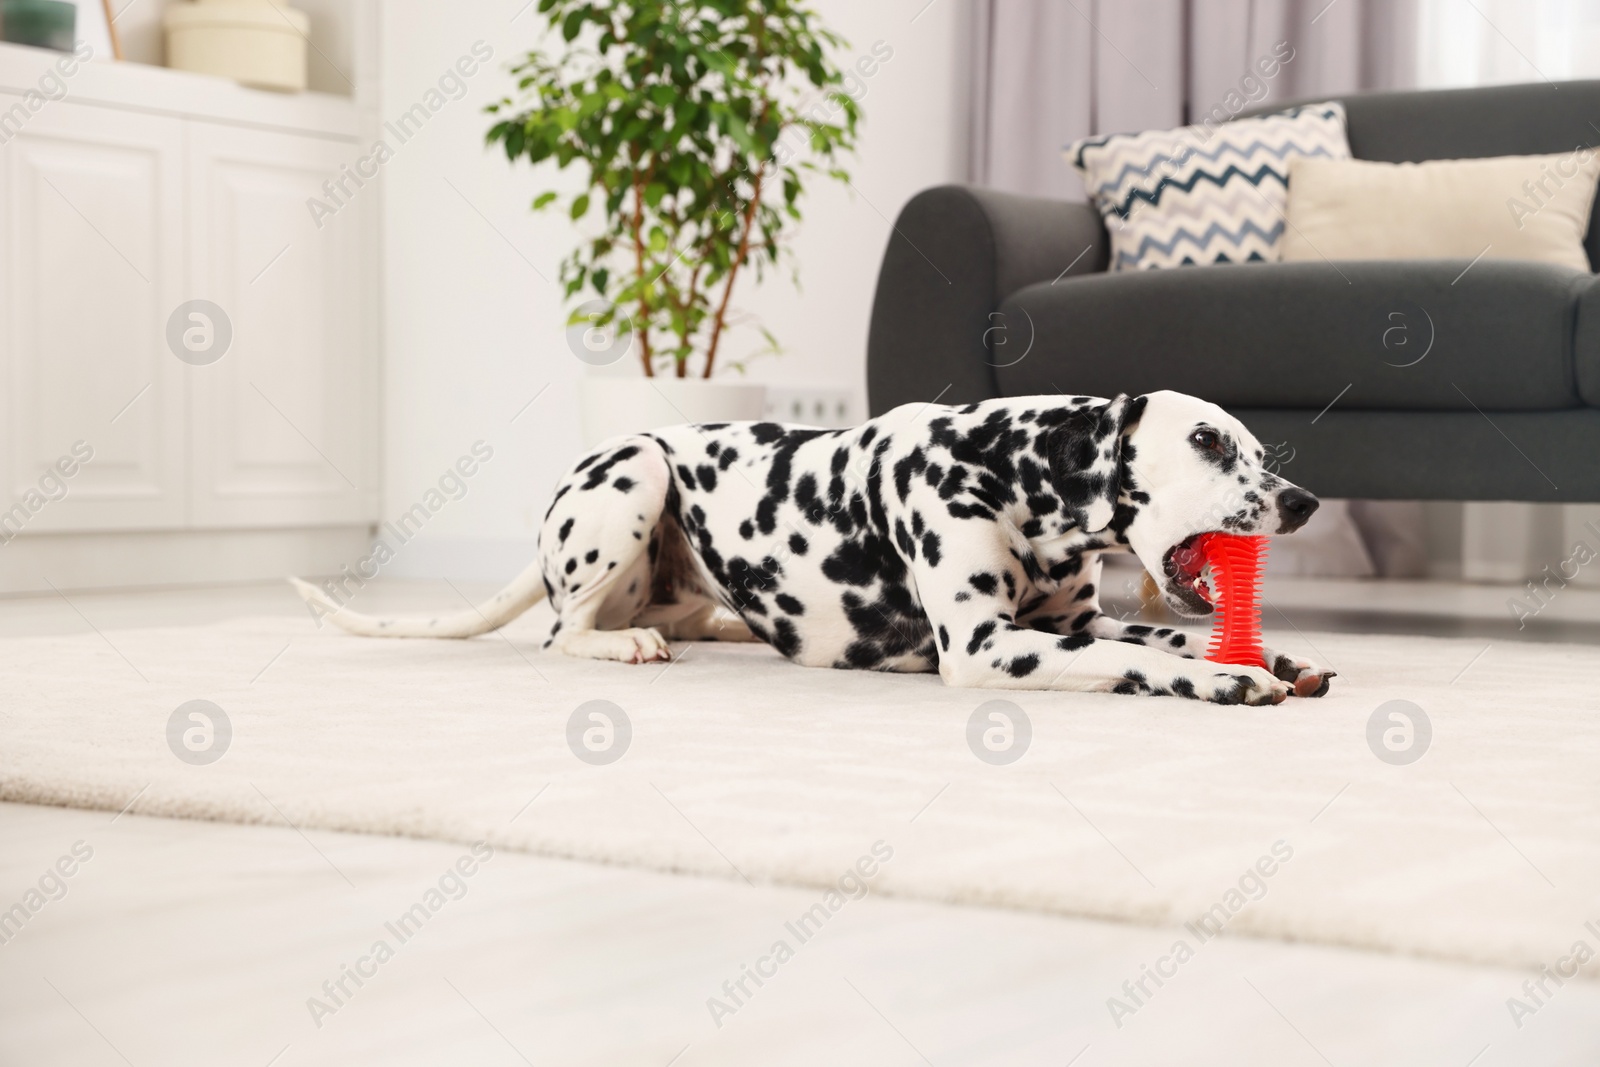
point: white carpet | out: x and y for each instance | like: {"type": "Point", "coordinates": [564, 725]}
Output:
{"type": "Point", "coordinates": [1147, 810]}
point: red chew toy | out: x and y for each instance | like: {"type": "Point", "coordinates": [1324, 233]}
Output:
{"type": "Point", "coordinates": [1234, 586]}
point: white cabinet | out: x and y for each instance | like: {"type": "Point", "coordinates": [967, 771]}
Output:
{"type": "Point", "coordinates": [279, 422]}
{"type": "Point", "coordinates": [90, 211]}
{"type": "Point", "coordinates": [141, 191]}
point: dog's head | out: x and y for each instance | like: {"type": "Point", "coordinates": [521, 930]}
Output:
{"type": "Point", "coordinates": [1159, 470]}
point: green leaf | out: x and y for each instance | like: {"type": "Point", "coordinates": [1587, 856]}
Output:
{"type": "Point", "coordinates": [542, 201]}
{"type": "Point", "coordinates": [580, 206]}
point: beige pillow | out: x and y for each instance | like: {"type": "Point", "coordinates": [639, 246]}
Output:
{"type": "Point", "coordinates": [1516, 207]}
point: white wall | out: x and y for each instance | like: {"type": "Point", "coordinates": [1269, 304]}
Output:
{"type": "Point", "coordinates": [472, 330]}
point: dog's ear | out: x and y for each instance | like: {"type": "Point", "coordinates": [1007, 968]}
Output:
{"type": "Point", "coordinates": [1086, 459]}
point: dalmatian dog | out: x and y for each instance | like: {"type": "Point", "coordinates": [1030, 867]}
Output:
{"type": "Point", "coordinates": [964, 540]}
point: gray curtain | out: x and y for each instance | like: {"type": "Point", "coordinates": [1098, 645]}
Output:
{"type": "Point", "coordinates": [1046, 72]}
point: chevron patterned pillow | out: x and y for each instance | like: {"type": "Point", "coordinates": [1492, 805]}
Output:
{"type": "Point", "coordinates": [1214, 193]}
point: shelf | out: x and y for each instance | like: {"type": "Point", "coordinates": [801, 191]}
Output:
{"type": "Point", "coordinates": [157, 90]}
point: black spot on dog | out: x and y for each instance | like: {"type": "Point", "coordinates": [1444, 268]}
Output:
{"type": "Point", "coordinates": [903, 539]}
{"type": "Point", "coordinates": [944, 639]}
{"type": "Point", "coordinates": [797, 544]}
{"type": "Point", "coordinates": [984, 582]}
{"type": "Point", "coordinates": [852, 564]}
{"type": "Point", "coordinates": [1236, 693]}
{"type": "Point", "coordinates": [556, 500]}
{"type": "Point", "coordinates": [592, 555]}
{"type": "Point", "coordinates": [1022, 666]}
{"type": "Point", "coordinates": [1066, 568]}
{"type": "Point", "coordinates": [1084, 619]}
{"type": "Point", "coordinates": [708, 477]}
{"type": "Point", "coordinates": [1085, 593]}
{"type": "Point", "coordinates": [622, 484]}
{"type": "Point", "coordinates": [789, 604]}
{"type": "Point", "coordinates": [914, 463]}
{"type": "Point", "coordinates": [572, 565]}
{"type": "Point", "coordinates": [1183, 687]}
{"type": "Point", "coordinates": [863, 655]}
{"type": "Point", "coordinates": [602, 470]}
{"type": "Point", "coordinates": [561, 534]}
{"type": "Point", "coordinates": [890, 627]}
{"type": "Point", "coordinates": [980, 633]}
{"type": "Point", "coordinates": [953, 481]}
{"type": "Point", "coordinates": [747, 529]}
{"type": "Point", "coordinates": [776, 488]}
{"type": "Point", "coordinates": [687, 477]}
{"type": "Point", "coordinates": [958, 510]}
{"type": "Point", "coordinates": [785, 638]}
{"type": "Point", "coordinates": [1074, 642]}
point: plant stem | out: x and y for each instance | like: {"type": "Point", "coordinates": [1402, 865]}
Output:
{"type": "Point", "coordinates": [733, 273]}
{"type": "Point", "coordinates": [638, 259]}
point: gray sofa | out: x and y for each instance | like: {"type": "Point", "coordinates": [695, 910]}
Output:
{"type": "Point", "coordinates": [984, 294]}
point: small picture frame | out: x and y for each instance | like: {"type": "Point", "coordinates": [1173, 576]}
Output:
{"type": "Point", "coordinates": [95, 27]}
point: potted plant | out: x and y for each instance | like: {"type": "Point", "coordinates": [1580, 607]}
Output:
{"type": "Point", "coordinates": [695, 124]}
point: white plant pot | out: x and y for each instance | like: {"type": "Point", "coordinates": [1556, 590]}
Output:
{"type": "Point", "coordinates": [611, 407]}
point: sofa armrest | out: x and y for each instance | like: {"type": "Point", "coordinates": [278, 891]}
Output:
{"type": "Point", "coordinates": [955, 254]}
{"type": "Point", "coordinates": [1586, 344]}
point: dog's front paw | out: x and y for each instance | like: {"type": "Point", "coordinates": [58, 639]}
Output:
{"type": "Point", "coordinates": [1308, 679]}
{"type": "Point", "coordinates": [1242, 685]}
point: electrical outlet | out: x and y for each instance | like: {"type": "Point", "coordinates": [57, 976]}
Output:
{"type": "Point", "coordinates": [830, 409]}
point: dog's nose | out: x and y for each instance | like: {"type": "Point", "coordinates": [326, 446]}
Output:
{"type": "Point", "coordinates": [1295, 506]}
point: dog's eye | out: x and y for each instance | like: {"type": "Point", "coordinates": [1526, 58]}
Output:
{"type": "Point", "coordinates": [1206, 440]}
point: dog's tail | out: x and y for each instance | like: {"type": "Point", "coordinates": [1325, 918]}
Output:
{"type": "Point", "coordinates": [525, 590]}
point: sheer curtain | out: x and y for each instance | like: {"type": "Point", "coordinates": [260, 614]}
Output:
{"type": "Point", "coordinates": [1493, 42]}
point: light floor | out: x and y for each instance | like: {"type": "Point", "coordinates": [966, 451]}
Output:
{"type": "Point", "coordinates": [197, 943]}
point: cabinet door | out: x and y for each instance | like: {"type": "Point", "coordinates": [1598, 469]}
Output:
{"type": "Point", "coordinates": [282, 423]}
{"type": "Point", "coordinates": [91, 231]}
